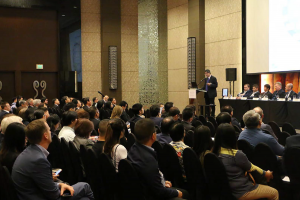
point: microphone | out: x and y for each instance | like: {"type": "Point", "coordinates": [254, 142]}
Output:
{"type": "Point", "coordinates": [201, 81]}
{"type": "Point", "coordinates": [101, 93]}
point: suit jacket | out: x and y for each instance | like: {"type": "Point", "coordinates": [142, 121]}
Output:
{"type": "Point", "coordinates": [2, 113]}
{"type": "Point", "coordinates": [247, 94]}
{"type": "Point", "coordinates": [291, 95]}
{"type": "Point", "coordinates": [125, 117]}
{"type": "Point", "coordinates": [32, 176]}
{"type": "Point", "coordinates": [187, 126]}
{"type": "Point", "coordinates": [255, 95]}
{"type": "Point", "coordinates": [211, 90]}
{"type": "Point", "coordinates": [56, 110]}
{"type": "Point", "coordinates": [234, 121]}
{"type": "Point", "coordinates": [280, 93]}
{"type": "Point", "coordinates": [144, 160]}
{"type": "Point", "coordinates": [157, 120]}
{"type": "Point", "coordinates": [267, 94]}
{"type": "Point", "coordinates": [96, 126]}
{"type": "Point", "coordinates": [135, 118]}
{"type": "Point", "coordinates": [86, 108]}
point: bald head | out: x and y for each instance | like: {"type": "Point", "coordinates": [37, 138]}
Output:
{"type": "Point", "coordinates": [166, 124]}
{"type": "Point", "coordinates": [259, 111]}
{"type": "Point", "coordinates": [289, 87]}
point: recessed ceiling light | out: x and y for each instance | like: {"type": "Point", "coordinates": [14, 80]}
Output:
{"type": "Point", "coordinates": [63, 15]}
{"type": "Point", "coordinates": [75, 7]}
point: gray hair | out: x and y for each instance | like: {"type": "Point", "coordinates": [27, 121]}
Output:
{"type": "Point", "coordinates": [8, 120]}
{"type": "Point", "coordinates": [36, 102]}
{"type": "Point", "coordinates": [259, 111]}
{"type": "Point", "coordinates": [251, 119]}
{"type": "Point", "coordinates": [278, 83]}
{"type": "Point", "coordinates": [290, 84]}
{"type": "Point", "coordinates": [22, 102]}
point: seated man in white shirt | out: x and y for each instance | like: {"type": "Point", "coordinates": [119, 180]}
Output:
{"type": "Point", "coordinates": [69, 119]}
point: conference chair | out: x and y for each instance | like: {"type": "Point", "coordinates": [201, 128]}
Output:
{"type": "Point", "coordinates": [275, 128]}
{"type": "Point", "coordinates": [76, 162]}
{"type": "Point", "coordinates": [282, 137]}
{"type": "Point", "coordinates": [95, 176]}
{"type": "Point", "coordinates": [287, 127]}
{"type": "Point", "coordinates": [196, 181]}
{"type": "Point", "coordinates": [85, 163]}
{"type": "Point", "coordinates": [130, 141]}
{"type": "Point", "coordinates": [202, 119]}
{"type": "Point", "coordinates": [196, 123]}
{"type": "Point", "coordinates": [218, 185]}
{"type": "Point", "coordinates": [212, 128]}
{"type": "Point", "coordinates": [157, 129]}
{"type": "Point", "coordinates": [130, 184]}
{"type": "Point", "coordinates": [159, 152]}
{"type": "Point", "coordinates": [132, 125]}
{"type": "Point", "coordinates": [292, 166]}
{"type": "Point", "coordinates": [213, 121]}
{"type": "Point", "coordinates": [189, 138]}
{"type": "Point", "coordinates": [130, 113]}
{"type": "Point", "coordinates": [55, 156]}
{"type": "Point", "coordinates": [174, 169]}
{"type": "Point", "coordinates": [109, 177]}
{"type": "Point", "coordinates": [242, 123]}
{"type": "Point", "coordinates": [69, 168]}
{"type": "Point", "coordinates": [247, 149]}
{"type": "Point", "coordinates": [237, 129]}
{"type": "Point", "coordinates": [7, 188]}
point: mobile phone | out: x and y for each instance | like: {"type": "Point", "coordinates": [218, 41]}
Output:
{"type": "Point", "coordinates": [66, 194]}
{"type": "Point", "coordinates": [57, 172]}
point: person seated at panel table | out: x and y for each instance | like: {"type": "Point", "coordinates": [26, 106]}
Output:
{"type": "Point", "coordinates": [289, 91]}
{"type": "Point", "coordinates": [255, 93]}
{"type": "Point", "coordinates": [279, 92]}
{"type": "Point", "coordinates": [267, 93]}
{"type": "Point", "coordinates": [247, 92]}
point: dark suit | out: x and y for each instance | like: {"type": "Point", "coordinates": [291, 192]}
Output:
{"type": "Point", "coordinates": [135, 118]}
{"type": "Point", "coordinates": [280, 93]}
{"type": "Point", "coordinates": [157, 120]}
{"type": "Point", "coordinates": [291, 95]}
{"type": "Point", "coordinates": [2, 113]}
{"type": "Point", "coordinates": [125, 117]}
{"type": "Point", "coordinates": [247, 94]}
{"type": "Point", "coordinates": [235, 122]}
{"type": "Point", "coordinates": [32, 177]}
{"type": "Point", "coordinates": [96, 126]}
{"type": "Point", "coordinates": [163, 138]}
{"type": "Point", "coordinates": [269, 129]}
{"type": "Point", "coordinates": [144, 160]}
{"type": "Point", "coordinates": [267, 94]}
{"type": "Point", "coordinates": [86, 108]}
{"type": "Point", "coordinates": [254, 95]}
{"type": "Point", "coordinates": [56, 110]}
{"type": "Point", "coordinates": [210, 94]}
{"type": "Point", "coordinates": [187, 126]}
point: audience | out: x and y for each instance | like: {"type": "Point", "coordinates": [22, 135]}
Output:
{"type": "Point", "coordinates": [41, 113]}
{"type": "Point", "coordinates": [236, 164]}
{"type": "Point", "coordinates": [69, 120]}
{"type": "Point", "coordinates": [254, 135]}
{"type": "Point", "coordinates": [30, 102]}
{"type": "Point", "coordinates": [155, 113]}
{"type": "Point", "coordinates": [138, 112]}
{"type": "Point", "coordinates": [234, 121]}
{"type": "Point", "coordinates": [83, 130]}
{"type": "Point", "coordinates": [69, 107]}
{"type": "Point", "coordinates": [12, 145]}
{"type": "Point", "coordinates": [64, 101]}
{"type": "Point", "coordinates": [33, 168]}
{"type": "Point", "coordinates": [112, 147]}
{"type": "Point", "coordinates": [187, 116]}
{"type": "Point", "coordinates": [77, 103]}
{"type": "Point", "coordinates": [28, 116]}
{"type": "Point", "coordinates": [87, 103]}
{"type": "Point", "coordinates": [143, 158]}
{"type": "Point", "coordinates": [164, 137]}
{"type": "Point", "coordinates": [125, 117]}
{"type": "Point", "coordinates": [202, 142]}
{"type": "Point", "coordinates": [53, 122]}
{"type": "Point", "coordinates": [44, 100]}
{"type": "Point", "coordinates": [94, 118]}
{"type": "Point", "coordinates": [263, 125]}
{"type": "Point", "coordinates": [98, 146]}
{"type": "Point", "coordinates": [167, 107]}
{"type": "Point", "coordinates": [36, 103]}
{"type": "Point", "coordinates": [174, 112]}
{"type": "Point", "coordinates": [95, 101]}
{"type": "Point", "coordinates": [107, 110]}
{"type": "Point", "coordinates": [56, 109]}
{"type": "Point", "coordinates": [177, 134]}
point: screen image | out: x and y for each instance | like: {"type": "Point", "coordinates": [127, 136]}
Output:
{"type": "Point", "coordinates": [273, 35]}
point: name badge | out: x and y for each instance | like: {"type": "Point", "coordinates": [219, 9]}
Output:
{"type": "Point", "coordinates": [265, 99]}
{"type": "Point", "coordinates": [244, 98]}
{"type": "Point", "coordinates": [281, 99]}
{"type": "Point", "coordinates": [232, 97]}
{"type": "Point", "coordinates": [225, 97]}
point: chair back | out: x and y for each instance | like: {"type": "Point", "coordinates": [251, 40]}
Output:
{"type": "Point", "coordinates": [109, 177]}
{"type": "Point", "coordinates": [175, 171]}
{"type": "Point", "coordinates": [213, 121]}
{"type": "Point", "coordinates": [157, 129]}
{"type": "Point", "coordinates": [7, 188]}
{"type": "Point", "coordinates": [282, 137]}
{"type": "Point", "coordinates": [202, 119]}
{"type": "Point", "coordinates": [130, 113]}
{"type": "Point", "coordinates": [218, 185]}
{"type": "Point", "coordinates": [275, 128]}
{"type": "Point", "coordinates": [130, 141]}
{"type": "Point", "coordinates": [242, 123]}
{"type": "Point", "coordinates": [159, 152]}
{"type": "Point", "coordinates": [212, 128]}
{"type": "Point", "coordinates": [76, 162]}
{"type": "Point", "coordinates": [189, 138]}
{"type": "Point", "coordinates": [69, 168]}
{"type": "Point", "coordinates": [194, 174]}
{"type": "Point", "coordinates": [247, 149]}
{"type": "Point", "coordinates": [287, 127]}
{"type": "Point", "coordinates": [85, 162]}
{"type": "Point", "coordinates": [94, 175]}
{"type": "Point", "coordinates": [196, 123]}
{"type": "Point", "coordinates": [55, 157]}
{"type": "Point", "coordinates": [147, 113]}
{"type": "Point", "coordinates": [237, 129]}
{"type": "Point", "coordinates": [130, 184]}
{"type": "Point", "coordinates": [292, 164]}
{"type": "Point", "coordinates": [132, 125]}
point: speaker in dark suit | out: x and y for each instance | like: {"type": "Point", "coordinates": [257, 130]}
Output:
{"type": "Point", "coordinates": [210, 86]}
{"type": "Point", "coordinates": [267, 92]}
{"type": "Point", "coordinates": [289, 91]}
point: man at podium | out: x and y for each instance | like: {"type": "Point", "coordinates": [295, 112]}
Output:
{"type": "Point", "coordinates": [210, 86]}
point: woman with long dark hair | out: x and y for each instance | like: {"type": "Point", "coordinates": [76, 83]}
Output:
{"type": "Point", "coordinates": [112, 147]}
{"type": "Point", "coordinates": [53, 121]}
{"type": "Point", "coordinates": [107, 110]}
{"type": "Point", "coordinates": [237, 164]}
{"type": "Point", "coordinates": [202, 142]}
{"type": "Point", "coordinates": [13, 144]}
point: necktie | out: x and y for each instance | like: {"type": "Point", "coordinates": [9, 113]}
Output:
{"type": "Point", "coordinates": [206, 88]}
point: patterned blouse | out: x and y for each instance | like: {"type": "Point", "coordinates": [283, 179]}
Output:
{"type": "Point", "coordinates": [179, 147]}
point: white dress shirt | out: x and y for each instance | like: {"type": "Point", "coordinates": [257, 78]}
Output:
{"type": "Point", "coordinates": [67, 133]}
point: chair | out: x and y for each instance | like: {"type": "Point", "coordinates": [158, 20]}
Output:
{"type": "Point", "coordinates": [275, 128]}
{"type": "Point", "coordinates": [202, 119]}
{"type": "Point", "coordinates": [159, 151]}
{"type": "Point", "coordinates": [196, 123]}
{"type": "Point", "coordinates": [218, 185]}
{"type": "Point", "coordinates": [147, 113]}
{"type": "Point", "coordinates": [77, 165]}
{"type": "Point", "coordinates": [130, 141]}
{"type": "Point", "coordinates": [237, 129]}
{"type": "Point", "coordinates": [130, 113]}
{"type": "Point", "coordinates": [109, 178]}
{"type": "Point", "coordinates": [189, 138]}
{"type": "Point", "coordinates": [282, 137]}
{"type": "Point", "coordinates": [130, 184]}
{"type": "Point", "coordinates": [55, 157]}
{"type": "Point", "coordinates": [212, 128]}
{"type": "Point", "coordinates": [287, 127]}
{"type": "Point", "coordinates": [85, 162]}
{"type": "Point", "coordinates": [292, 166]}
{"type": "Point", "coordinates": [132, 125]}
{"type": "Point", "coordinates": [174, 172]}
{"type": "Point", "coordinates": [266, 131]}
{"type": "Point", "coordinates": [7, 188]}
{"type": "Point", "coordinates": [213, 121]}
{"type": "Point", "coordinates": [196, 181]}
{"type": "Point", "coordinates": [242, 123]}
{"type": "Point", "coordinates": [94, 174]}
{"type": "Point", "coordinates": [69, 168]}
{"type": "Point", "coordinates": [157, 129]}
{"type": "Point", "coordinates": [247, 149]}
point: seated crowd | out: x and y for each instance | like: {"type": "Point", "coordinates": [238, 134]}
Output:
{"type": "Point", "coordinates": [27, 129]}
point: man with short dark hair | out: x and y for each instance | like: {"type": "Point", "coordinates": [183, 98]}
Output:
{"type": "Point", "coordinates": [125, 117]}
{"type": "Point", "coordinates": [64, 100]}
{"type": "Point", "coordinates": [69, 120]}
{"type": "Point", "coordinates": [31, 172]}
{"type": "Point", "coordinates": [154, 113]}
{"type": "Point", "coordinates": [223, 117]}
{"type": "Point", "coordinates": [167, 107]}
{"type": "Point", "coordinates": [234, 121]}
{"type": "Point", "coordinates": [44, 100]}
{"type": "Point", "coordinates": [267, 93]}
{"type": "Point", "coordinates": [187, 116]}
{"type": "Point", "coordinates": [55, 108]}
{"type": "Point", "coordinates": [98, 146]}
{"type": "Point", "coordinates": [255, 93]}
{"type": "Point", "coordinates": [210, 86]}
{"type": "Point", "coordinates": [143, 158]}
{"type": "Point", "coordinates": [69, 107]}
{"type": "Point", "coordinates": [164, 136]}
{"type": "Point", "coordinates": [87, 103]}
{"type": "Point", "coordinates": [94, 117]}
{"type": "Point", "coordinates": [247, 92]}
{"type": "Point", "coordinates": [138, 112]}
{"type": "Point", "coordinates": [174, 112]}
{"type": "Point", "coordinates": [254, 135]}
{"type": "Point", "coordinates": [5, 108]}
{"type": "Point", "coordinates": [95, 101]}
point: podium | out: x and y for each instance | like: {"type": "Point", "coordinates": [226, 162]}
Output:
{"type": "Point", "coordinates": [193, 95]}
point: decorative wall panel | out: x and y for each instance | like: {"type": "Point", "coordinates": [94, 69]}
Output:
{"type": "Point", "coordinates": [113, 67]}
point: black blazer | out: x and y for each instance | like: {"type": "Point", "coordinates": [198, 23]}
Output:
{"type": "Point", "coordinates": [292, 93]}
{"type": "Point", "coordinates": [157, 120]}
{"type": "Point", "coordinates": [144, 160]}
{"type": "Point", "coordinates": [56, 110]}
{"type": "Point", "coordinates": [280, 93]}
{"type": "Point", "coordinates": [135, 118]}
{"type": "Point", "coordinates": [211, 90]}
{"type": "Point", "coordinates": [187, 126]}
{"type": "Point", "coordinates": [96, 126]}
{"type": "Point", "coordinates": [267, 94]}
{"type": "Point", "coordinates": [2, 113]}
{"type": "Point", "coordinates": [247, 94]}
{"type": "Point", "coordinates": [256, 95]}
{"type": "Point", "coordinates": [125, 117]}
